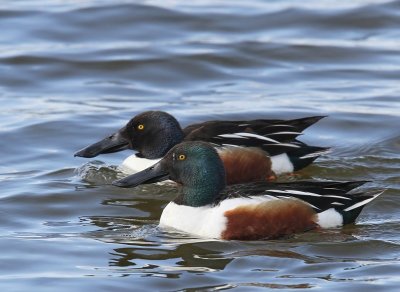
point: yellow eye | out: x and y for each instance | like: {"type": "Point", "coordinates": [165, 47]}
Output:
{"type": "Point", "coordinates": [182, 157]}
{"type": "Point", "coordinates": [140, 127]}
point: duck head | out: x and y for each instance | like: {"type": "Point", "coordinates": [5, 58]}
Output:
{"type": "Point", "coordinates": [151, 133]}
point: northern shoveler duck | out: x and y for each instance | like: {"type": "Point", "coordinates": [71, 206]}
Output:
{"type": "Point", "coordinates": [255, 149]}
{"type": "Point", "coordinates": [206, 207]}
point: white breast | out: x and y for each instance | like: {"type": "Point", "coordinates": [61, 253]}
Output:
{"type": "Point", "coordinates": [133, 164]}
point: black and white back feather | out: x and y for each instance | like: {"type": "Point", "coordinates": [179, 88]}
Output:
{"type": "Point", "coordinates": [319, 195]}
{"type": "Point", "coordinates": [273, 136]}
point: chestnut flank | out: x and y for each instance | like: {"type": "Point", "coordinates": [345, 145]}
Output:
{"type": "Point", "coordinates": [268, 220]}
{"type": "Point", "coordinates": [244, 165]}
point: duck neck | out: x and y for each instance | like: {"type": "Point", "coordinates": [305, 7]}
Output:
{"type": "Point", "coordinates": [203, 188]}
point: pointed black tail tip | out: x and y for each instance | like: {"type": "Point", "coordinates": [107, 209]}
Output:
{"type": "Point", "coordinates": [321, 117]}
{"type": "Point", "coordinates": [317, 118]}
{"type": "Point", "coordinates": [313, 119]}
{"type": "Point", "coordinates": [359, 182]}
{"type": "Point", "coordinates": [375, 193]}
{"type": "Point", "coordinates": [324, 150]}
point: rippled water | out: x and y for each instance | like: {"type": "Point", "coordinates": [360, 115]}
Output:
{"type": "Point", "coordinates": [72, 72]}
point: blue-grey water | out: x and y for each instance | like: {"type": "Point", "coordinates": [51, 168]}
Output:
{"type": "Point", "coordinates": [72, 72]}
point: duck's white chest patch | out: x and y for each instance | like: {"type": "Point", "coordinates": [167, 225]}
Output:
{"type": "Point", "coordinates": [201, 221]}
{"type": "Point", "coordinates": [133, 164]}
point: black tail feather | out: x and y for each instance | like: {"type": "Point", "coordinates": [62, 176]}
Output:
{"type": "Point", "coordinates": [303, 123]}
{"type": "Point", "coordinates": [305, 155]}
{"type": "Point", "coordinates": [352, 210]}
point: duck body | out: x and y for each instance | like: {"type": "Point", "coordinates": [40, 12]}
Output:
{"type": "Point", "coordinates": [239, 218]}
{"type": "Point", "coordinates": [206, 207]}
{"type": "Point", "coordinates": [280, 210]}
{"type": "Point", "coordinates": [268, 147]}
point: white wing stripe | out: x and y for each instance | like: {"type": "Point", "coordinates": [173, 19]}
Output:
{"type": "Point", "coordinates": [259, 137]}
{"type": "Point", "coordinates": [284, 144]}
{"type": "Point", "coordinates": [359, 204]}
{"type": "Point", "coordinates": [337, 197]}
{"type": "Point", "coordinates": [304, 193]}
{"type": "Point", "coordinates": [285, 133]}
{"type": "Point", "coordinates": [248, 135]}
{"type": "Point", "coordinates": [277, 191]}
{"type": "Point", "coordinates": [300, 193]}
{"type": "Point", "coordinates": [231, 145]}
{"type": "Point", "coordinates": [231, 136]}
{"type": "Point", "coordinates": [314, 154]}
{"type": "Point", "coordinates": [294, 192]}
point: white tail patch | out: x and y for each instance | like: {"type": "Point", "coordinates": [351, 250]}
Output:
{"type": "Point", "coordinates": [329, 219]}
{"type": "Point", "coordinates": [362, 203]}
{"type": "Point", "coordinates": [281, 164]}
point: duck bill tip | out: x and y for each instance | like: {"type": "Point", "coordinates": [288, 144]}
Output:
{"type": "Point", "coordinates": [84, 154]}
{"type": "Point", "coordinates": [122, 183]}
{"type": "Point", "coordinates": [152, 174]}
{"type": "Point", "coordinates": [114, 143]}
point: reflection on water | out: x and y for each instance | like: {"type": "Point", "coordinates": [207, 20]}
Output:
{"type": "Point", "coordinates": [72, 72]}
